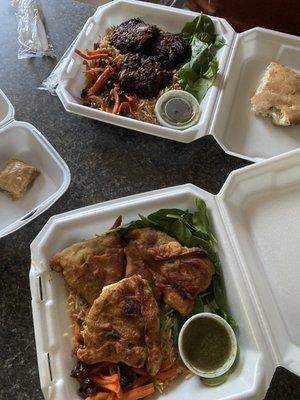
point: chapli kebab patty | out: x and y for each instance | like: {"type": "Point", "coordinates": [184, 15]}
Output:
{"type": "Point", "coordinates": [133, 36]}
{"type": "Point", "coordinates": [170, 49]}
{"type": "Point", "coordinates": [144, 76]}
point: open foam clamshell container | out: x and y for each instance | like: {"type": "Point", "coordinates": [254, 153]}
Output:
{"type": "Point", "coordinates": [255, 218]}
{"type": "Point", "coordinates": [225, 110]}
{"type": "Point", "coordinates": [24, 142]}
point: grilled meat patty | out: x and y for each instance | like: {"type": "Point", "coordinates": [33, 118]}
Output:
{"type": "Point", "coordinates": [144, 76]}
{"type": "Point", "coordinates": [150, 56]}
{"type": "Point", "coordinates": [170, 49]}
{"type": "Point", "coordinates": [133, 36]}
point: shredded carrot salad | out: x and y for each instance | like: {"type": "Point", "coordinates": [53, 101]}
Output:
{"type": "Point", "coordinates": [107, 381]}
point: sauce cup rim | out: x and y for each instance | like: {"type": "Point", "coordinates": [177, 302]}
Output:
{"type": "Point", "coordinates": [183, 94]}
{"type": "Point", "coordinates": [230, 360]}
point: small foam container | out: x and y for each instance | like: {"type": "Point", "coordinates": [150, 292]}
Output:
{"type": "Point", "coordinates": [225, 110]}
{"type": "Point", "coordinates": [255, 218]}
{"type": "Point", "coordinates": [23, 141]}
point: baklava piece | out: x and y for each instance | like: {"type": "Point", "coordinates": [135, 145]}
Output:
{"type": "Point", "coordinates": [17, 177]}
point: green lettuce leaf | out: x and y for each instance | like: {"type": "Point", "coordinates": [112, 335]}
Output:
{"type": "Point", "coordinates": [200, 72]}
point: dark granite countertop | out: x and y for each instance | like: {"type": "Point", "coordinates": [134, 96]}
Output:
{"type": "Point", "coordinates": [106, 162]}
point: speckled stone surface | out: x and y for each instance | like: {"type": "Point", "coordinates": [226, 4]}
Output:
{"type": "Point", "coordinates": [106, 162]}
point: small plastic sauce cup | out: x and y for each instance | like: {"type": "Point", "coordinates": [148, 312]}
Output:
{"type": "Point", "coordinates": [177, 109]}
{"type": "Point", "coordinates": [228, 362]}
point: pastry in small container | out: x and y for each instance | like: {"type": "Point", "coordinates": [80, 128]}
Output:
{"type": "Point", "coordinates": [17, 177]}
{"type": "Point", "coordinates": [32, 174]}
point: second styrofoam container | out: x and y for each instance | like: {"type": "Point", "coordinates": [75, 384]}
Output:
{"type": "Point", "coordinates": [23, 141]}
{"type": "Point", "coordinates": [226, 110]}
{"type": "Point", "coordinates": [256, 209]}
{"type": "Point", "coordinates": [170, 19]}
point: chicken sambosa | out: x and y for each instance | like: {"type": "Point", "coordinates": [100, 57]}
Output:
{"type": "Point", "coordinates": [123, 326]}
{"type": "Point", "coordinates": [90, 265]}
{"type": "Point", "coordinates": [176, 272]}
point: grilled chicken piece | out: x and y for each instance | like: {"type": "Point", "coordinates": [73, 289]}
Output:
{"type": "Point", "coordinates": [177, 272]}
{"type": "Point", "coordinates": [133, 36]}
{"type": "Point", "coordinates": [170, 49]}
{"type": "Point", "coordinates": [90, 265]}
{"type": "Point", "coordinates": [123, 326]}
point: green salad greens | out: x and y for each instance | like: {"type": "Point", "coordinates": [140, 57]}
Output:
{"type": "Point", "coordinates": [199, 73]}
{"type": "Point", "coordinates": [190, 229]}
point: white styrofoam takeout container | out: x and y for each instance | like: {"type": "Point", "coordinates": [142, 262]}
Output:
{"type": "Point", "coordinates": [225, 110]}
{"type": "Point", "coordinates": [23, 141]}
{"type": "Point", "coordinates": [256, 221]}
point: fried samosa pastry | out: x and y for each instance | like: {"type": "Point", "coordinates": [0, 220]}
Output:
{"type": "Point", "coordinates": [90, 265]}
{"type": "Point", "coordinates": [123, 326]}
{"type": "Point", "coordinates": [176, 272]}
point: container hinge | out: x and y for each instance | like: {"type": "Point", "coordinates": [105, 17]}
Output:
{"type": "Point", "coordinates": [226, 68]}
{"type": "Point", "coordinates": [6, 123]}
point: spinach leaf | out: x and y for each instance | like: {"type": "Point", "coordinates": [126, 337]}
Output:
{"type": "Point", "coordinates": [200, 217]}
{"type": "Point", "coordinates": [199, 74]}
{"type": "Point", "coordinates": [160, 218]}
{"type": "Point", "coordinates": [187, 75]}
{"type": "Point", "coordinates": [200, 55]}
{"type": "Point", "coordinates": [229, 318]}
{"type": "Point", "coordinates": [219, 41]}
{"type": "Point", "coordinates": [211, 72]}
{"type": "Point", "coordinates": [199, 88]}
{"type": "Point", "coordinates": [205, 25]}
{"type": "Point", "coordinates": [162, 215]}
{"type": "Point", "coordinates": [202, 23]}
{"type": "Point", "coordinates": [219, 292]}
{"type": "Point", "coordinates": [122, 229]}
{"type": "Point", "coordinates": [205, 37]}
{"type": "Point", "coordinates": [181, 232]}
{"type": "Point", "coordinates": [189, 29]}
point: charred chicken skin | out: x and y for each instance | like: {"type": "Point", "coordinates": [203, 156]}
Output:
{"type": "Point", "coordinates": [123, 326]}
{"type": "Point", "coordinates": [176, 272]}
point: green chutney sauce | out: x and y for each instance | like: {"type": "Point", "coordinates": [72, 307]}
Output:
{"type": "Point", "coordinates": [206, 344]}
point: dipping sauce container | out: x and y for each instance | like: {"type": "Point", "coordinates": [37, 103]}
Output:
{"type": "Point", "coordinates": [177, 109]}
{"type": "Point", "coordinates": [207, 345]}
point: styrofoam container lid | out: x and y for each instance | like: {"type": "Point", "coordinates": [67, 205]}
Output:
{"type": "Point", "coordinates": [226, 110]}
{"type": "Point", "coordinates": [236, 128]}
{"type": "Point", "coordinates": [258, 206]}
{"type": "Point", "coordinates": [23, 141]}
